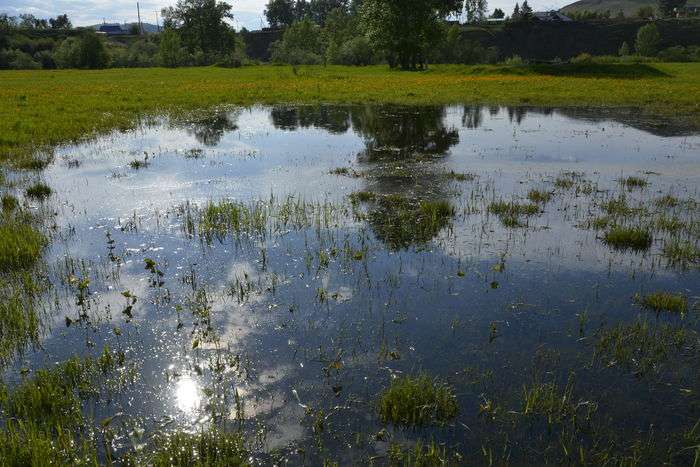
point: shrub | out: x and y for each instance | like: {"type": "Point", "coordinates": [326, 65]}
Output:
{"type": "Point", "coordinates": [582, 59]}
{"type": "Point", "coordinates": [648, 38]}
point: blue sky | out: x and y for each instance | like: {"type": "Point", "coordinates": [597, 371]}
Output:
{"type": "Point", "coordinates": [248, 13]}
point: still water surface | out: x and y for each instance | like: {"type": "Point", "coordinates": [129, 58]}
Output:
{"type": "Point", "coordinates": [268, 329]}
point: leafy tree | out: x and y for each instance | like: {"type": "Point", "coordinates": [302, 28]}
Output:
{"type": "Point", "coordinates": [475, 10]}
{"type": "Point", "coordinates": [648, 39]}
{"type": "Point", "coordinates": [498, 14]}
{"type": "Point", "coordinates": [645, 12]}
{"type": "Point", "coordinates": [405, 29]}
{"type": "Point", "coordinates": [280, 12]}
{"type": "Point", "coordinates": [667, 7]}
{"type": "Point", "coordinates": [624, 49]}
{"type": "Point", "coordinates": [202, 25]}
{"type": "Point", "coordinates": [67, 54]}
{"type": "Point", "coordinates": [91, 52]}
{"type": "Point", "coordinates": [525, 12]}
{"type": "Point", "coordinates": [320, 9]}
{"type": "Point", "coordinates": [516, 12]}
{"type": "Point", "coordinates": [60, 22]}
{"type": "Point", "coordinates": [7, 22]}
{"type": "Point", "coordinates": [301, 43]}
{"type": "Point", "coordinates": [170, 49]}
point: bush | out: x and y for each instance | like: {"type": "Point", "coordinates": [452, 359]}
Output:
{"type": "Point", "coordinates": [514, 60]}
{"type": "Point", "coordinates": [357, 51]}
{"type": "Point", "coordinates": [45, 59]}
{"type": "Point", "coordinates": [582, 59]}
{"type": "Point", "coordinates": [19, 60]}
{"type": "Point", "coordinates": [648, 38]}
{"type": "Point", "coordinates": [67, 54]}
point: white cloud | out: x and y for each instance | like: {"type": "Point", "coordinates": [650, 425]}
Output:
{"type": "Point", "coordinates": [248, 13]}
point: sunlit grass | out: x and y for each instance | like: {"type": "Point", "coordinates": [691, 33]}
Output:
{"type": "Point", "coordinates": [20, 245]}
{"type": "Point", "coordinates": [628, 238]}
{"type": "Point", "coordinates": [415, 401]}
{"type": "Point", "coordinates": [39, 109]}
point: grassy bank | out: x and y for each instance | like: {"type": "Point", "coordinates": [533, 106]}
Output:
{"type": "Point", "coordinates": [39, 109]}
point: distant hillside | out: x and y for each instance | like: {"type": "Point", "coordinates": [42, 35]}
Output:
{"type": "Point", "coordinates": [628, 7]}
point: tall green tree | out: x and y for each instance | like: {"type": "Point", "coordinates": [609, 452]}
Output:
{"type": "Point", "coordinates": [280, 12]}
{"type": "Point", "coordinates": [405, 29]}
{"type": "Point", "coordinates": [170, 49]}
{"type": "Point", "coordinates": [320, 9]}
{"type": "Point", "coordinates": [202, 25]}
{"type": "Point", "coordinates": [91, 52]}
{"type": "Point", "coordinates": [648, 39]}
{"type": "Point", "coordinates": [60, 22]}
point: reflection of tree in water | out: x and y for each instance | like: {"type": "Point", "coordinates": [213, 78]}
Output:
{"type": "Point", "coordinates": [410, 133]}
{"type": "Point", "coordinates": [407, 203]}
{"type": "Point", "coordinates": [334, 119]}
{"type": "Point", "coordinates": [471, 116]}
{"type": "Point", "coordinates": [209, 129]}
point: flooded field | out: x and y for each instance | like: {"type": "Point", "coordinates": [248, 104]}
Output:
{"type": "Point", "coordinates": [374, 284]}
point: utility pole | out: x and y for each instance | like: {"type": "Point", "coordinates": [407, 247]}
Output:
{"type": "Point", "coordinates": [138, 11]}
{"type": "Point", "coordinates": [157, 23]}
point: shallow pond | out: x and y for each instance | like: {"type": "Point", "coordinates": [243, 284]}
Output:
{"type": "Point", "coordinates": [273, 269]}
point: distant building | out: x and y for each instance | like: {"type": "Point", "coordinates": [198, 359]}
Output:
{"type": "Point", "coordinates": [551, 16]}
{"type": "Point", "coordinates": [112, 30]}
{"type": "Point", "coordinates": [687, 11]}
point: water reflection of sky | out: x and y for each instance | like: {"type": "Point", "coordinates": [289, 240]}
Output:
{"type": "Point", "coordinates": [410, 300]}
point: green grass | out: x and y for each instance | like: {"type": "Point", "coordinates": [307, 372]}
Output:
{"type": "Point", "coordinates": [20, 246]}
{"type": "Point", "coordinates": [19, 323]}
{"type": "Point", "coordinates": [9, 203]}
{"type": "Point", "coordinates": [641, 346]}
{"type": "Point", "coordinates": [39, 109]}
{"type": "Point", "coordinates": [628, 238]}
{"type": "Point", "coordinates": [38, 191]}
{"type": "Point", "coordinates": [417, 401]}
{"type": "Point", "coordinates": [510, 212]}
{"type": "Point", "coordinates": [681, 252]}
{"type": "Point", "coordinates": [211, 447]}
{"type": "Point", "coordinates": [634, 182]}
{"type": "Point", "coordinates": [421, 455]}
{"type": "Point", "coordinates": [539, 196]}
{"type": "Point", "coordinates": [663, 301]}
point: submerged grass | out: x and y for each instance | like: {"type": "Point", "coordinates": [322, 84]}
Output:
{"type": "Point", "coordinates": [681, 252]}
{"type": "Point", "coordinates": [641, 346]}
{"type": "Point", "coordinates": [663, 301]}
{"type": "Point", "coordinates": [510, 212]}
{"type": "Point", "coordinates": [422, 455]}
{"type": "Point", "coordinates": [539, 196]}
{"type": "Point", "coordinates": [39, 109]}
{"type": "Point", "coordinates": [417, 401]}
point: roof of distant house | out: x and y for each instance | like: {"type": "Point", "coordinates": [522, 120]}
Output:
{"type": "Point", "coordinates": [111, 29]}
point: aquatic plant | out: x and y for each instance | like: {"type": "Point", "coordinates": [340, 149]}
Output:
{"type": "Point", "coordinates": [39, 191]}
{"type": "Point", "coordinates": [681, 252]}
{"type": "Point", "coordinates": [628, 238]}
{"type": "Point", "coordinates": [663, 301]}
{"type": "Point", "coordinates": [510, 212]}
{"type": "Point", "coordinates": [209, 447]}
{"type": "Point", "coordinates": [417, 400]}
{"type": "Point", "coordinates": [634, 182]}
{"type": "Point", "coordinates": [641, 346]}
{"type": "Point", "coordinates": [422, 455]}
{"type": "Point", "coordinates": [539, 196]}
{"type": "Point", "coordinates": [20, 246]}
{"type": "Point", "coordinates": [9, 203]}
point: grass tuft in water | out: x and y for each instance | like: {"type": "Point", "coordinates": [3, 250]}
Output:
{"type": "Point", "coordinates": [681, 252]}
{"type": "Point", "coordinates": [539, 196]}
{"type": "Point", "coordinates": [211, 447]}
{"type": "Point", "coordinates": [38, 191]}
{"type": "Point", "coordinates": [663, 301]}
{"type": "Point", "coordinates": [510, 212]}
{"type": "Point", "coordinates": [628, 238]}
{"type": "Point", "coordinates": [634, 182]}
{"type": "Point", "coordinates": [9, 203]}
{"type": "Point", "coordinates": [641, 346]}
{"type": "Point", "coordinates": [20, 246]}
{"type": "Point", "coordinates": [667, 201]}
{"type": "Point", "coordinates": [417, 401]}
{"type": "Point", "coordinates": [421, 455]}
